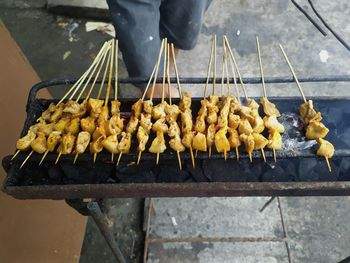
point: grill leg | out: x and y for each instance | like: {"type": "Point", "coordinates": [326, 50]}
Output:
{"type": "Point", "coordinates": [97, 215]}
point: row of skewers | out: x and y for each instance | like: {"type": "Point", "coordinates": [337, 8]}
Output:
{"type": "Point", "coordinates": [73, 126]}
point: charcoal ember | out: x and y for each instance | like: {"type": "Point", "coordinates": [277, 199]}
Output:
{"type": "Point", "coordinates": [34, 175]}
{"type": "Point", "coordinates": [290, 168]}
{"type": "Point", "coordinates": [230, 170]}
{"type": "Point", "coordinates": [169, 172]}
{"type": "Point", "coordinates": [275, 173]}
{"type": "Point", "coordinates": [55, 174]}
{"type": "Point", "coordinates": [196, 173]}
{"type": "Point", "coordinates": [82, 174]}
{"type": "Point", "coordinates": [141, 173]}
{"type": "Point", "coordinates": [102, 171]}
{"type": "Point", "coordinates": [344, 169]}
{"type": "Point", "coordinates": [315, 169]}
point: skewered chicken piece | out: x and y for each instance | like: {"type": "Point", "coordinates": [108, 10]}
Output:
{"type": "Point", "coordinates": [23, 144]}
{"type": "Point", "coordinates": [260, 143]}
{"type": "Point", "coordinates": [213, 109]}
{"type": "Point", "coordinates": [257, 123]}
{"type": "Point", "coordinates": [115, 107]}
{"type": "Point", "coordinates": [158, 144]}
{"type": "Point", "coordinates": [211, 136]}
{"type": "Point", "coordinates": [73, 126]}
{"type": "Point", "coordinates": [316, 130]}
{"type": "Point", "coordinates": [96, 146]}
{"type": "Point", "coordinates": [249, 143]}
{"type": "Point", "coordinates": [199, 140]}
{"type": "Point", "coordinates": [39, 143]}
{"type": "Point", "coordinates": [271, 123]}
{"type": "Point", "coordinates": [224, 112]}
{"type": "Point", "coordinates": [61, 124]}
{"type": "Point", "coordinates": [66, 145]}
{"type": "Point", "coordinates": [185, 102]}
{"type": "Point", "coordinates": [95, 106]}
{"type": "Point", "coordinates": [125, 143]}
{"type": "Point", "coordinates": [137, 108]}
{"type": "Point", "coordinates": [53, 140]}
{"type": "Point", "coordinates": [275, 140]}
{"type": "Point", "coordinates": [111, 144]}
{"type": "Point", "coordinates": [148, 106]}
{"type": "Point", "coordinates": [88, 124]}
{"type": "Point", "coordinates": [132, 124]}
{"type": "Point", "coordinates": [115, 125]}
{"type": "Point", "coordinates": [158, 111]}
{"type": "Point", "coordinates": [326, 149]}
{"type": "Point", "coordinates": [146, 122]}
{"type": "Point", "coordinates": [308, 112]}
{"type": "Point", "coordinates": [143, 133]}
{"type": "Point", "coordinates": [172, 112]}
{"type": "Point", "coordinates": [234, 140]}
{"type": "Point", "coordinates": [246, 113]}
{"type": "Point", "coordinates": [83, 140]}
{"type": "Point", "coordinates": [245, 127]}
{"type": "Point", "coordinates": [269, 107]}
{"type": "Point", "coordinates": [221, 142]}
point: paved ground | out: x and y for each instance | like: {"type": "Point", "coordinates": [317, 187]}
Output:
{"type": "Point", "coordinates": [214, 229]}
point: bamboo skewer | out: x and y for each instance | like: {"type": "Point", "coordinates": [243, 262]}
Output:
{"type": "Point", "coordinates": [157, 67]}
{"type": "Point", "coordinates": [119, 157]}
{"type": "Point", "coordinates": [104, 77]}
{"type": "Point", "coordinates": [170, 100]}
{"type": "Point", "coordinates": [176, 71]}
{"type": "Point", "coordinates": [58, 157]}
{"type": "Point", "coordinates": [92, 67]}
{"type": "Point", "coordinates": [15, 155]}
{"type": "Point", "coordinates": [236, 66]}
{"type": "Point", "coordinates": [214, 79]}
{"type": "Point", "coordinates": [293, 72]}
{"type": "Point", "coordinates": [26, 159]}
{"type": "Point", "coordinates": [209, 68]}
{"type": "Point", "coordinates": [97, 75]}
{"type": "Point", "coordinates": [155, 71]}
{"type": "Point", "coordinates": [261, 66]}
{"type": "Point", "coordinates": [100, 60]}
{"type": "Point", "coordinates": [116, 70]}
{"type": "Point", "coordinates": [300, 89]}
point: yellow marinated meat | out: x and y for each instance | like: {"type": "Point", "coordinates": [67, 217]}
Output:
{"type": "Point", "coordinates": [88, 124]}
{"type": "Point", "coordinates": [111, 144]}
{"type": "Point", "coordinates": [115, 125]}
{"type": "Point", "coordinates": [39, 143]}
{"type": "Point", "coordinates": [158, 111]}
{"type": "Point", "coordinates": [148, 106]}
{"type": "Point", "coordinates": [271, 123]}
{"type": "Point", "coordinates": [308, 112]}
{"type": "Point", "coordinates": [248, 141]}
{"type": "Point", "coordinates": [246, 113]}
{"type": "Point", "coordinates": [72, 107]}
{"type": "Point", "coordinates": [81, 113]}
{"type": "Point", "coordinates": [221, 142]}
{"type": "Point", "coordinates": [96, 145]}
{"type": "Point", "coordinates": [316, 130]}
{"type": "Point", "coordinates": [185, 102]}
{"type": "Point", "coordinates": [57, 114]}
{"type": "Point", "coordinates": [326, 149]}
{"type": "Point", "coordinates": [158, 144]}
{"type": "Point", "coordinates": [46, 128]}
{"type": "Point", "coordinates": [115, 107]}
{"type": "Point", "coordinates": [269, 108]}
{"type": "Point", "coordinates": [199, 125]}
{"type": "Point", "coordinates": [233, 121]}
{"type": "Point", "coordinates": [61, 124]}
{"type": "Point", "coordinates": [211, 134]}
{"type": "Point", "coordinates": [187, 139]}
{"type": "Point", "coordinates": [258, 124]}
{"type": "Point", "coordinates": [275, 140]}
{"type": "Point", "coordinates": [53, 140]}
{"type": "Point", "coordinates": [23, 144]}
{"type": "Point", "coordinates": [172, 111]}
{"type": "Point", "coordinates": [146, 121]}
{"type": "Point", "coordinates": [137, 108]}
{"type": "Point", "coordinates": [125, 143]}
{"type": "Point", "coordinates": [99, 131]}
{"type": "Point", "coordinates": [142, 137]}
{"type": "Point", "coordinates": [174, 129]}
{"type": "Point", "coordinates": [132, 125]}
{"type": "Point", "coordinates": [83, 140]}
{"type": "Point", "coordinates": [245, 127]}
{"type": "Point", "coordinates": [233, 138]}
{"type": "Point", "coordinates": [186, 121]}
{"type": "Point", "coordinates": [176, 144]}
{"type": "Point", "coordinates": [199, 142]}
{"type": "Point", "coordinates": [252, 104]}
{"type": "Point", "coordinates": [67, 143]}
{"type": "Point", "coordinates": [260, 141]}
{"type": "Point", "coordinates": [73, 126]}
{"type": "Point", "coordinates": [160, 126]}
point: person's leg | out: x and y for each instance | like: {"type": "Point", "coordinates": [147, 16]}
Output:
{"type": "Point", "coordinates": [181, 21]}
{"type": "Point", "coordinates": [137, 29]}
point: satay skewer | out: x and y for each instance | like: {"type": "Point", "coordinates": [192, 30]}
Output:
{"type": "Point", "coordinates": [293, 72]}
{"type": "Point", "coordinates": [26, 159]}
{"type": "Point", "coordinates": [176, 71]}
{"type": "Point", "coordinates": [155, 68]}
{"type": "Point", "coordinates": [233, 59]}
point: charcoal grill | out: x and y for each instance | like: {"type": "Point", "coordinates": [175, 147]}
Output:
{"type": "Point", "coordinates": [298, 171]}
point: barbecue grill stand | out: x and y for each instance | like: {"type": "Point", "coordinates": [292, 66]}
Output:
{"type": "Point", "coordinates": [96, 210]}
